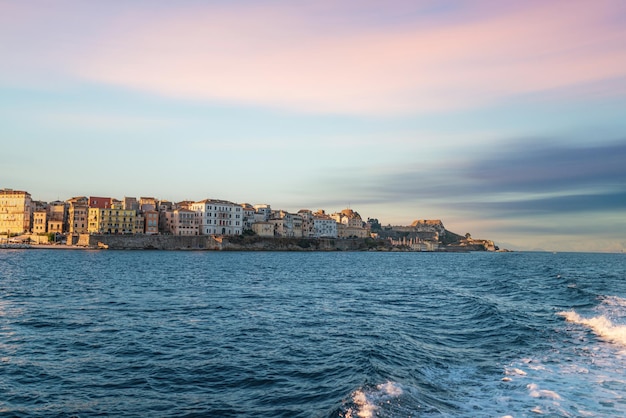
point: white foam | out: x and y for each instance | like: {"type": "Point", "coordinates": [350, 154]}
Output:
{"type": "Point", "coordinates": [600, 325]}
{"type": "Point", "coordinates": [535, 392]}
{"type": "Point", "coordinates": [614, 301]}
{"type": "Point", "coordinates": [367, 401]}
{"type": "Point", "coordinates": [515, 372]}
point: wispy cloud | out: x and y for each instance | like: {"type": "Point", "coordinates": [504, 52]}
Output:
{"type": "Point", "coordinates": [324, 57]}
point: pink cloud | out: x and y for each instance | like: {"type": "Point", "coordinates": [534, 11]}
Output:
{"type": "Point", "coordinates": [308, 58]}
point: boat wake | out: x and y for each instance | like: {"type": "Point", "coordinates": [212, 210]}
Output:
{"type": "Point", "coordinates": [366, 402]}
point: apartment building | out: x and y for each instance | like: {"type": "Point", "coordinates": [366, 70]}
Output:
{"type": "Point", "coordinates": [219, 217]}
{"type": "Point", "coordinates": [40, 222]}
{"type": "Point", "coordinates": [183, 222]}
{"type": "Point", "coordinates": [15, 212]}
{"type": "Point", "coordinates": [77, 214]}
{"type": "Point", "coordinates": [114, 220]}
{"type": "Point", "coordinates": [286, 224]}
{"type": "Point", "coordinates": [57, 217]}
{"type": "Point", "coordinates": [248, 215]}
{"type": "Point", "coordinates": [151, 222]}
{"type": "Point", "coordinates": [323, 225]}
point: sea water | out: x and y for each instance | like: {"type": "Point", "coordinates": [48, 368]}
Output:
{"type": "Point", "coordinates": [341, 334]}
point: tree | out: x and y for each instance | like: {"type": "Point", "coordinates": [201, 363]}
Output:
{"type": "Point", "coordinates": [374, 224]}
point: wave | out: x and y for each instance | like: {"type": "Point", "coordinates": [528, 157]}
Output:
{"type": "Point", "coordinates": [601, 325]}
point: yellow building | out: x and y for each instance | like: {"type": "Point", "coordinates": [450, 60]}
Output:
{"type": "Point", "coordinates": [40, 222]}
{"type": "Point", "coordinates": [77, 215]}
{"type": "Point", "coordinates": [15, 212]}
{"type": "Point", "coordinates": [113, 220]}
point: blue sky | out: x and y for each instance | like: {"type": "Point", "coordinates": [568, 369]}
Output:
{"type": "Point", "coordinates": [503, 119]}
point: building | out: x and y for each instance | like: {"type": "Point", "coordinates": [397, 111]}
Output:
{"type": "Point", "coordinates": [40, 222]}
{"type": "Point", "coordinates": [263, 229]}
{"type": "Point", "coordinates": [57, 217]}
{"type": "Point", "coordinates": [264, 211]}
{"type": "Point", "coordinates": [151, 222]}
{"type": "Point", "coordinates": [140, 223]}
{"type": "Point", "coordinates": [77, 214]}
{"type": "Point", "coordinates": [114, 220]}
{"type": "Point", "coordinates": [249, 214]}
{"type": "Point", "coordinates": [55, 226]}
{"type": "Point", "coordinates": [100, 202]}
{"type": "Point", "coordinates": [130, 203]}
{"type": "Point", "coordinates": [350, 224]}
{"type": "Point", "coordinates": [219, 217]}
{"type": "Point", "coordinates": [286, 224]}
{"type": "Point", "coordinates": [183, 222]}
{"type": "Point", "coordinates": [323, 225]}
{"type": "Point", "coordinates": [15, 212]}
{"type": "Point", "coordinates": [147, 204]}
{"type": "Point", "coordinates": [307, 223]}
{"type": "Point", "coordinates": [164, 207]}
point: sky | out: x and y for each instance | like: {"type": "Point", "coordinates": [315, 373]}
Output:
{"type": "Point", "coordinates": [504, 119]}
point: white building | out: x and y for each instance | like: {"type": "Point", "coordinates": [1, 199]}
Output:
{"type": "Point", "coordinates": [219, 217]}
{"type": "Point", "coordinates": [324, 226]}
{"type": "Point", "coordinates": [264, 210]}
{"type": "Point", "coordinates": [248, 215]}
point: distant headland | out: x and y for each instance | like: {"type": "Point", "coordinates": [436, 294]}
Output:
{"type": "Point", "coordinates": [210, 224]}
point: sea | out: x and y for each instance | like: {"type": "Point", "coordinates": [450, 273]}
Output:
{"type": "Point", "coordinates": [311, 334]}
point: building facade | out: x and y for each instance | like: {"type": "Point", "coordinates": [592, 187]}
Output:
{"type": "Point", "coordinates": [15, 212]}
{"type": "Point", "coordinates": [219, 217]}
{"type": "Point", "coordinates": [77, 215]}
{"type": "Point", "coordinates": [114, 220]}
{"type": "Point", "coordinates": [40, 222]}
{"type": "Point", "coordinates": [323, 225]}
{"type": "Point", "coordinates": [151, 220]}
{"type": "Point", "coordinates": [183, 222]}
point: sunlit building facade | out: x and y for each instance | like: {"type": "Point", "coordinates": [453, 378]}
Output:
{"type": "Point", "coordinates": [15, 212]}
{"type": "Point", "coordinates": [114, 220]}
{"type": "Point", "coordinates": [219, 217]}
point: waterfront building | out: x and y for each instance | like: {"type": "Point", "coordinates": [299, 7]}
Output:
{"type": "Point", "coordinates": [263, 229]}
{"type": "Point", "coordinates": [249, 214]}
{"type": "Point", "coordinates": [140, 223]}
{"type": "Point", "coordinates": [286, 224]}
{"type": "Point", "coordinates": [77, 215]}
{"type": "Point", "coordinates": [55, 226]}
{"type": "Point", "coordinates": [350, 224]}
{"type": "Point", "coordinates": [114, 220]}
{"type": "Point", "coordinates": [164, 207]}
{"type": "Point", "coordinates": [307, 223]}
{"type": "Point", "coordinates": [323, 225]}
{"type": "Point", "coordinates": [15, 212]}
{"type": "Point", "coordinates": [182, 222]}
{"type": "Point", "coordinates": [57, 217]}
{"type": "Point", "coordinates": [100, 202]}
{"type": "Point", "coordinates": [264, 211]}
{"type": "Point", "coordinates": [219, 217]}
{"type": "Point", "coordinates": [40, 222]}
{"type": "Point", "coordinates": [151, 222]}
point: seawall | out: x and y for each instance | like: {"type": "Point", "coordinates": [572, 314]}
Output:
{"type": "Point", "coordinates": [218, 243]}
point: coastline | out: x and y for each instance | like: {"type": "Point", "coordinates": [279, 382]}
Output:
{"type": "Point", "coordinates": [233, 243]}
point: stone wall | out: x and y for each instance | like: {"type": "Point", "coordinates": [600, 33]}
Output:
{"type": "Point", "coordinates": [234, 243]}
